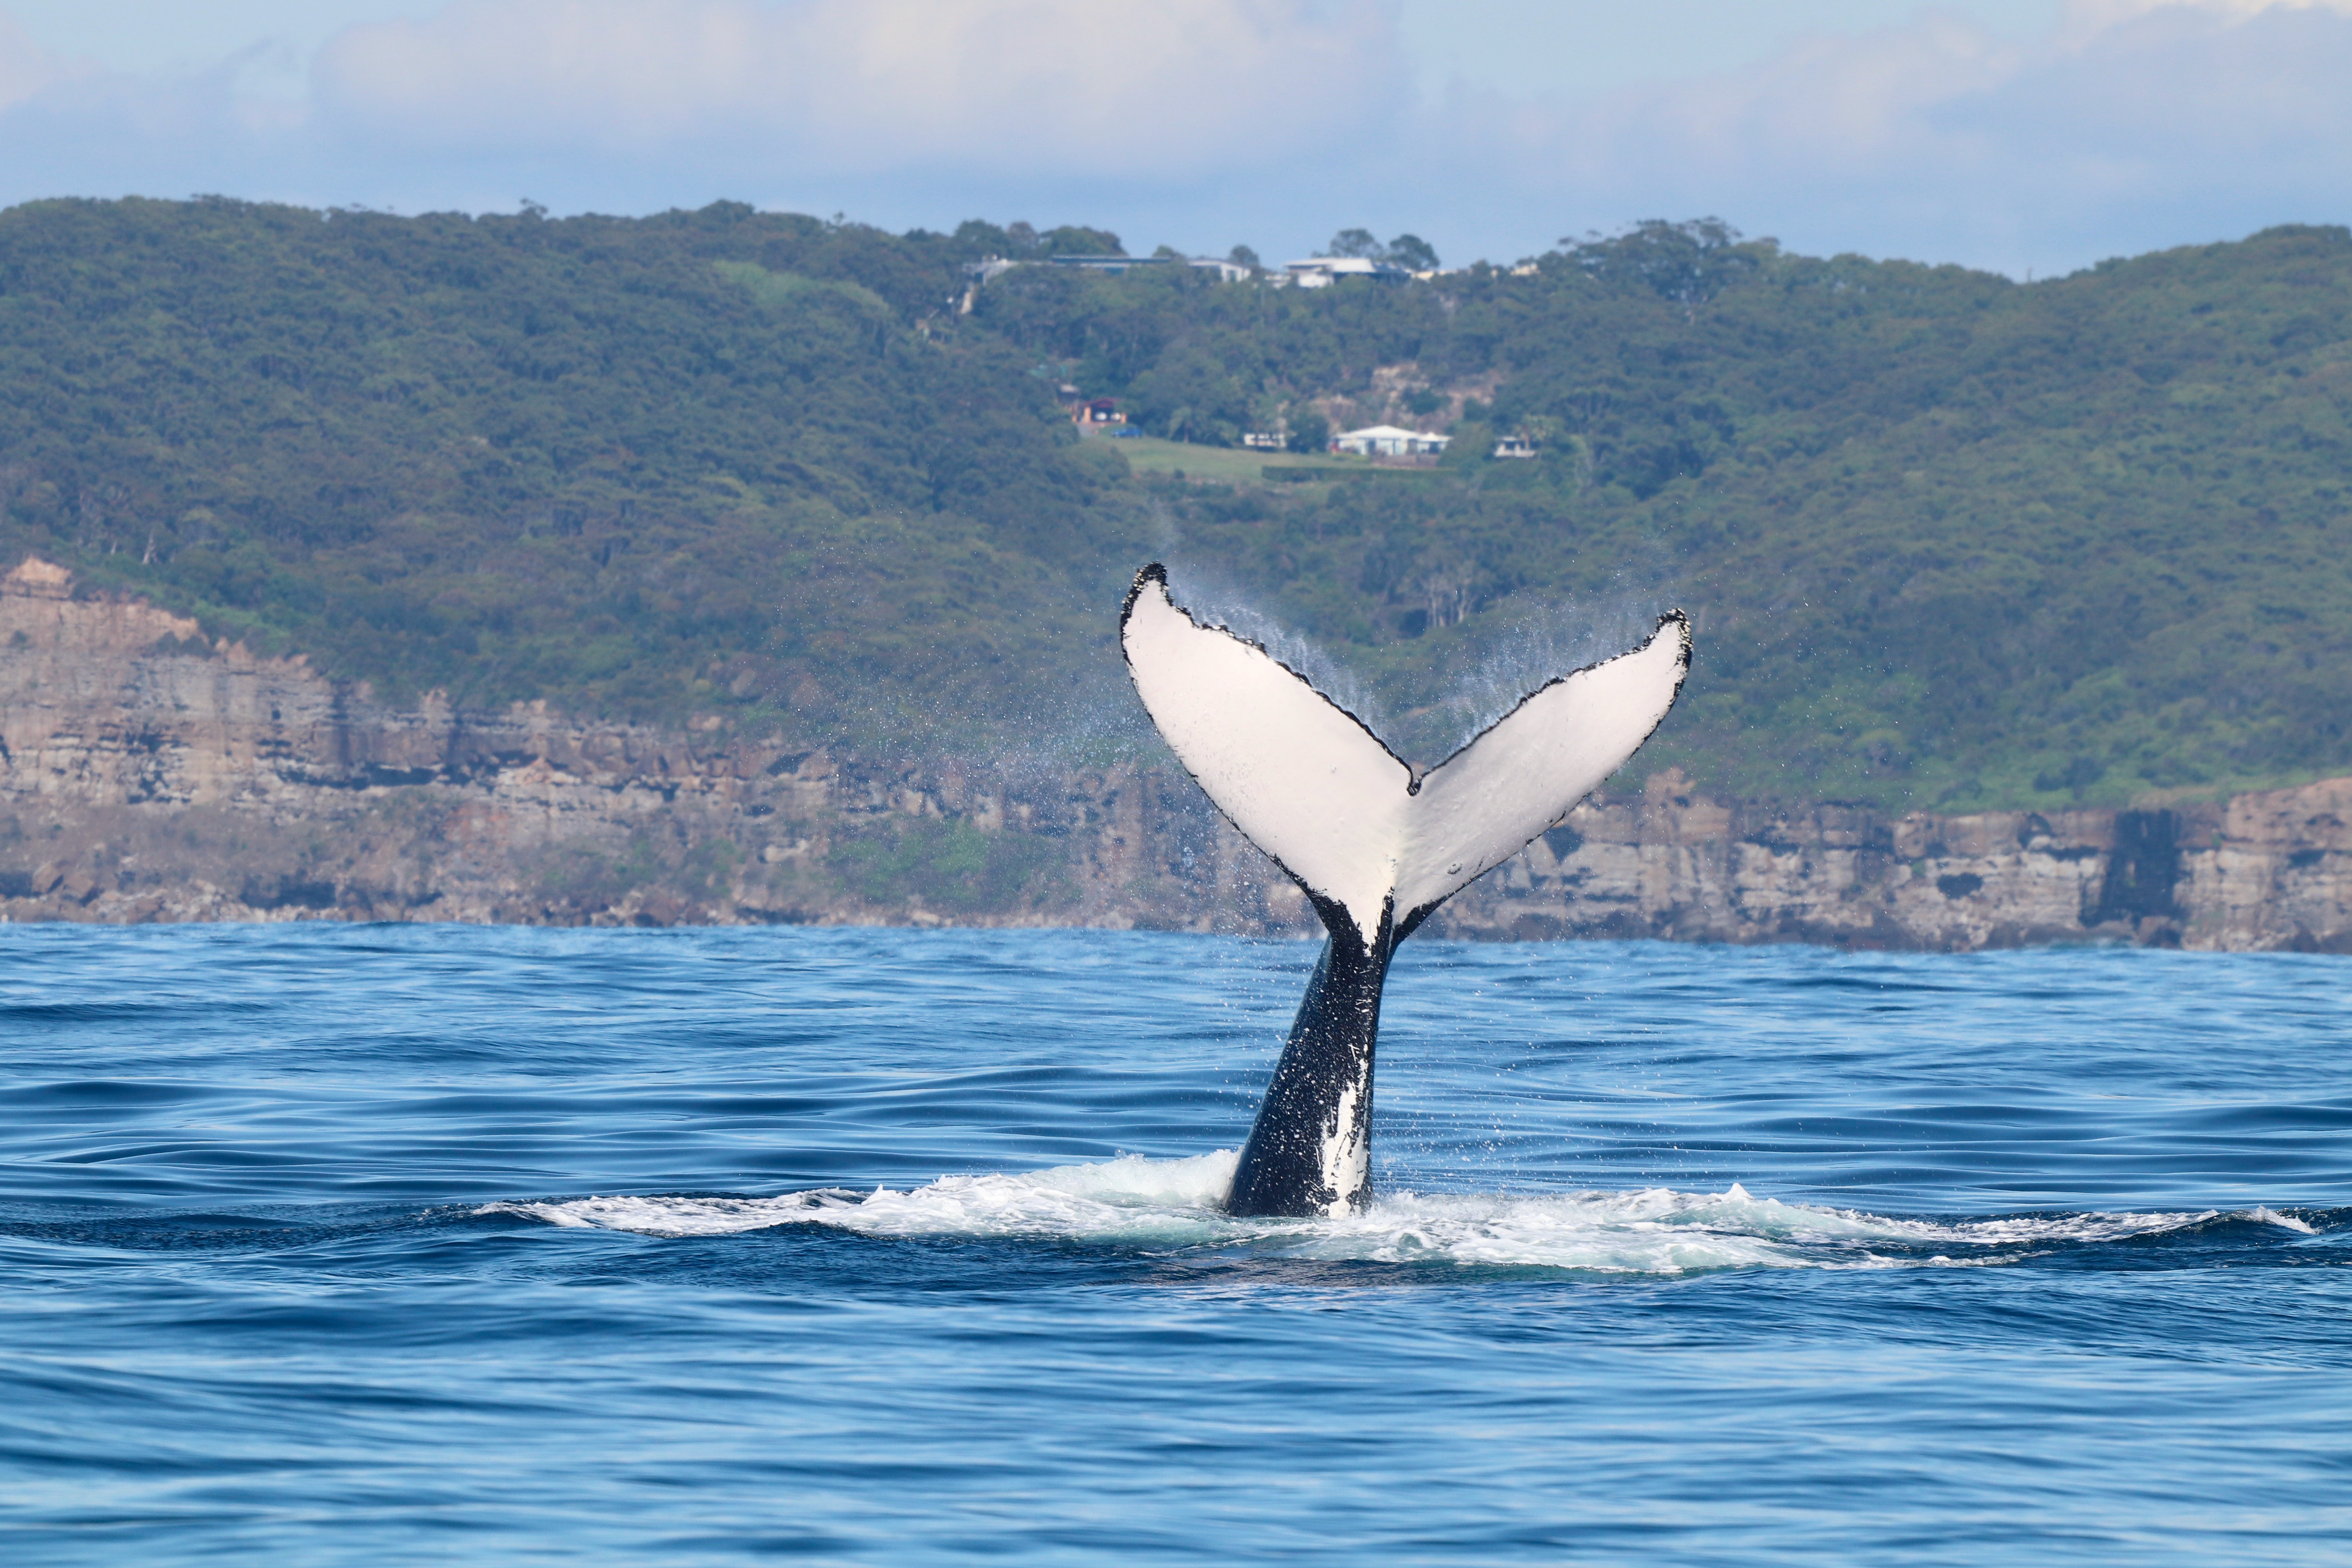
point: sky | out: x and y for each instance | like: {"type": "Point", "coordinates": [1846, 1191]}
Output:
{"type": "Point", "coordinates": [2034, 137]}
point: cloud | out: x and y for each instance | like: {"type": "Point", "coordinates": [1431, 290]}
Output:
{"type": "Point", "coordinates": [2131, 127]}
{"type": "Point", "coordinates": [2085, 18]}
{"type": "Point", "coordinates": [1079, 87]}
{"type": "Point", "coordinates": [27, 70]}
{"type": "Point", "coordinates": [2128, 126]}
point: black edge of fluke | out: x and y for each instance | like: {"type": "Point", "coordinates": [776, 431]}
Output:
{"type": "Point", "coordinates": [1675, 618]}
{"type": "Point", "coordinates": [1156, 573]}
{"type": "Point", "coordinates": [1309, 1150]}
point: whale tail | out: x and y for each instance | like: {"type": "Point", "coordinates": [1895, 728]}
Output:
{"type": "Point", "coordinates": [1376, 846]}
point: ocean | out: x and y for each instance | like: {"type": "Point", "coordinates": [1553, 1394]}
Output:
{"type": "Point", "coordinates": [380, 1245]}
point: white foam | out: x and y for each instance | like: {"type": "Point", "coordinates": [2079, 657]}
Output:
{"type": "Point", "coordinates": [1174, 1207]}
{"type": "Point", "coordinates": [1128, 1197]}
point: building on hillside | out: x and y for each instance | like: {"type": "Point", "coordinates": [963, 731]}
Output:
{"type": "Point", "coordinates": [1263, 440]}
{"type": "Point", "coordinates": [1390, 441]}
{"type": "Point", "coordinates": [1096, 413]}
{"type": "Point", "coordinates": [1515, 446]}
{"type": "Point", "coordinates": [1226, 271]}
{"type": "Point", "coordinates": [1322, 271]}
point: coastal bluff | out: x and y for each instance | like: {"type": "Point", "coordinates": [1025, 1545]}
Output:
{"type": "Point", "coordinates": [149, 774]}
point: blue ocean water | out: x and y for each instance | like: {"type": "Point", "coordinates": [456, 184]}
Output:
{"type": "Point", "coordinates": [390, 1245]}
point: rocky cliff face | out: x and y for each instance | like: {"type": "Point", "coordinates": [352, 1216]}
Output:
{"type": "Point", "coordinates": [146, 776]}
{"type": "Point", "coordinates": [2257, 871]}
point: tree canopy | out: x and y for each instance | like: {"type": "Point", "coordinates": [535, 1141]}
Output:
{"type": "Point", "coordinates": [1948, 540]}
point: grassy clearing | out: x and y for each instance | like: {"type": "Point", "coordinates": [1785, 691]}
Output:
{"type": "Point", "coordinates": [1240, 465]}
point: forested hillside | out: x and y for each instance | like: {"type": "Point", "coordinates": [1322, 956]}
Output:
{"type": "Point", "coordinates": [1948, 540]}
{"type": "Point", "coordinates": [707, 462]}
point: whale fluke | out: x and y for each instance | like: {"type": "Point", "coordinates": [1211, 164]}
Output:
{"type": "Point", "coordinates": [1376, 846]}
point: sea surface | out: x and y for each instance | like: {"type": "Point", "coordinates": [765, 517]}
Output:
{"type": "Point", "coordinates": [372, 1245]}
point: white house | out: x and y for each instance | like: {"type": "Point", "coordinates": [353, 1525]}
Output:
{"type": "Point", "coordinates": [1229, 272]}
{"type": "Point", "coordinates": [1322, 271]}
{"type": "Point", "coordinates": [1515, 446]}
{"type": "Point", "coordinates": [1388, 441]}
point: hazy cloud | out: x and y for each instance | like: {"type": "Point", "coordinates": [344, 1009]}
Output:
{"type": "Point", "coordinates": [2129, 125]}
{"type": "Point", "coordinates": [2134, 126]}
{"type": "Point", "coordinates": [2086, 17]}
{"type": "Point", "coordinates": [26, 68]}
{"type": "Point", "coordinates": [1069, 86]}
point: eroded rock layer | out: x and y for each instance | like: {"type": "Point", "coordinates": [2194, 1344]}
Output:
{"type": "Point", "coordinates": [2256, 871]}
{"type": "Point", "coordinates": [148, 775]}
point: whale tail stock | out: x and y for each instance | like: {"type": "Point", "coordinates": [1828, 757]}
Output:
{"type": "Point", "coordinates": [1376, 846]}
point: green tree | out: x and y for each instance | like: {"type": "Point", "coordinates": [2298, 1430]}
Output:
{"type": "Point", "coordinates": [1072, 240]}
{"type": "Point", "coordinates": [1413, 253]}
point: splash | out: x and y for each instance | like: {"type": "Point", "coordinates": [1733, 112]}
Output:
{"type": "Point", "coordinates": [1173, 1207]}
{"type": "Point", "coordinates": [1525, 656]}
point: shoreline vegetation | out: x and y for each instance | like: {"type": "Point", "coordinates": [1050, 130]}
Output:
{"type": "Point", "coordinates": [1952, 544]}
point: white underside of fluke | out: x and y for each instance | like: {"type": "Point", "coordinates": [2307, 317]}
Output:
{"type": "Point", "coordinates": [1317, 790]}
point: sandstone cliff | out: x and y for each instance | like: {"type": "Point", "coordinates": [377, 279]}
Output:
{"type": "Point", "coordinates": [2257, 871]}
{"type": "Point", "coordinates": [147, 775]}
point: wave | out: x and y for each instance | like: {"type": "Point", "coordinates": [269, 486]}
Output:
{"type": "Point", "coordinates": [1175, 1206]}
